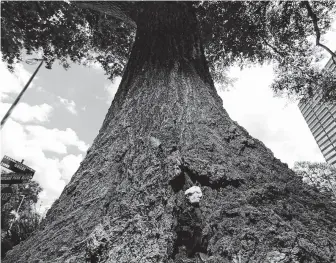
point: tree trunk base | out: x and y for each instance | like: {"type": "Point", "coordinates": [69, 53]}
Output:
{"type": "Point", "coordinates": [126, 202]}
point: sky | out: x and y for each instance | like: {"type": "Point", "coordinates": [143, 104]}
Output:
{"type": "Point", "coordinates": [62, 111]}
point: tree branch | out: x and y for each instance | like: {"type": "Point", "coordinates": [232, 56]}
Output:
{"type": "Point", "coordinates": [314, 18]}
{"type": "Point", "coordinates": [281, 53]}
{"type": "Point", "coordinates": [116, 9]}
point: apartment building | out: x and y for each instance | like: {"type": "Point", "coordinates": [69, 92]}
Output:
{"type": "Point", "coordinates": [321, 120]}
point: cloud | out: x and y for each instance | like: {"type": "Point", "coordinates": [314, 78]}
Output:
{"type": "Point", "coordinates": [26, 113]}
{"type": "Point", "coordinates": [30, 142]}
{"type": "Point", "coordinates": [54, 140]}
{"type": "Point", "coordinates": [13, 83]}
{"type": "Point", "coordinates": [277, 123]}
{"type": "Point", "coordinates": [111, 89]}
{"type": "Point", "coordinates": [69, 165]}
{"type": "Point", "coordinates": [70, 105]}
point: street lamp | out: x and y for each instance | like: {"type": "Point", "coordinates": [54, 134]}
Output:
{"type": "Point", "coordinates": [30, 62]}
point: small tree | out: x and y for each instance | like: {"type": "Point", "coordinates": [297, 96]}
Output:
{"type": "Point", "coordinates": [23, 222]}
{"type": "Point", "coordinates": [321, 175]}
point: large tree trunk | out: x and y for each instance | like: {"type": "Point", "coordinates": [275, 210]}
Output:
{"type": "Point", "coordinates": [167, 130]}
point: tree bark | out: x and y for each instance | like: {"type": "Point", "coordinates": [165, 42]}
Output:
{"type": "Point", "coordinates": [166, 131]}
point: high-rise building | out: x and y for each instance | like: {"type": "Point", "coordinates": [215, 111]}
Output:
{"type": "Point", "coordinates": [321, 120]}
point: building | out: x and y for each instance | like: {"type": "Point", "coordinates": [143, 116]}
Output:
{"type": "Point", "coordinates": [321, 120]}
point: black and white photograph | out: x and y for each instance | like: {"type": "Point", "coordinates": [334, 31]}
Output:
{"type": "Point", "coordinates": [168, 131]}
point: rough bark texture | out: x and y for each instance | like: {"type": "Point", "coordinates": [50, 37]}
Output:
{"type": "Point", "coordinates": [167, 130]}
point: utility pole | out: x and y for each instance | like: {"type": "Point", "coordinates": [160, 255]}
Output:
{"type": "Point", "coordinates": [3, 121]}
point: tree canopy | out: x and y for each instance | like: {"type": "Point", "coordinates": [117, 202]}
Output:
{"type": "Point", "coordinates": [285, 33]}
{"type": "Point", "coordinates": [25, 221]}
{"type": "Point", "coordinates": [320, 175]}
